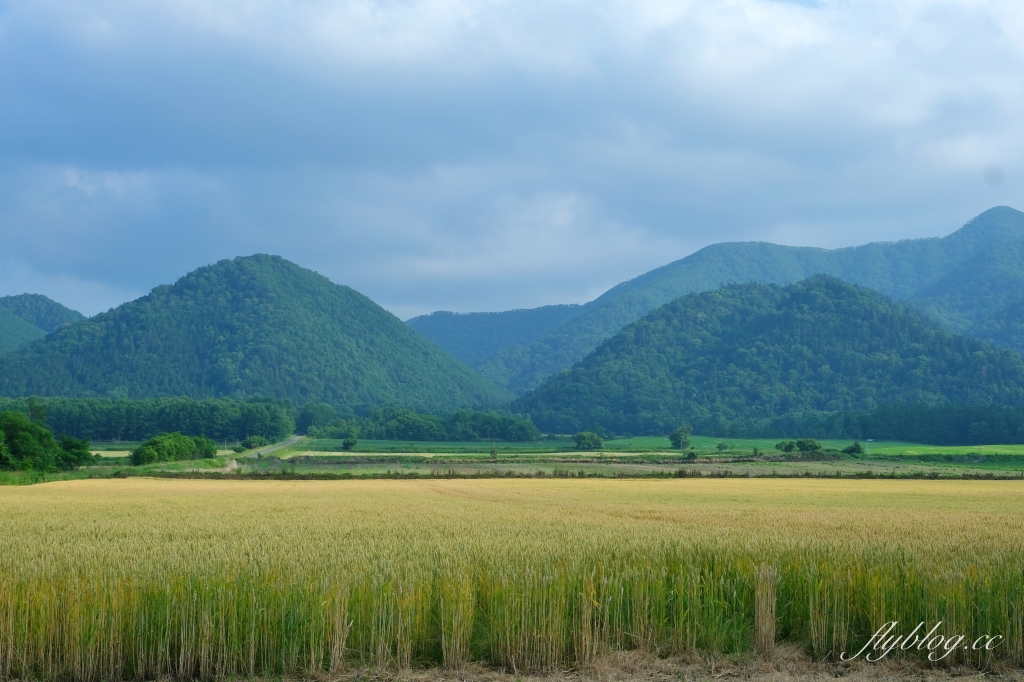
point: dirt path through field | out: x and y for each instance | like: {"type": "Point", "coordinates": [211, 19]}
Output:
{"type": "Point", "coordinates": [277, 446]}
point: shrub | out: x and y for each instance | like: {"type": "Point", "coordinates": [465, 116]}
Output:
{"type": "Point", "coordinates": [801, 445]}
{"type": "Point", "coordinates": [588, 440]}
{"type": "Point", "coordinates": [254, 442]}
{"type": "Point", "coordinates": [173, 447]}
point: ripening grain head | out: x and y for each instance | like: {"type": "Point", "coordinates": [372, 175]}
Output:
{"type": "Point", "coordinates": [132, 577]}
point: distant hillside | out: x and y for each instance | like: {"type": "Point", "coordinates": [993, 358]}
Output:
{"type": "Point", "coordinates": [472, 337]}
{"type": "Point", "coordinates": [40, 311]}
{"type": "Point", "coordinates": [899, 269]}
{"type": "Point", "coordinates": [983, 296]}
{"type": "Point", "coordinates": [254, 326]}
{"type": "Point", "coordinates": [749, 353]}
{"type": "Point", "coordinates": [15, 332]}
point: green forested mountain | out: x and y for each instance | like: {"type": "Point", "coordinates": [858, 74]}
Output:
{"type": "Point", "coordinates": [40, 311]}
{"type": "Point", "coordinates": [251, 326]}
{"type": "Point", "coordinates": [983, 297]}
{"type": "Point", "coordinates": [898, 269]}
{"type": "Point", "coordinates": [746, 354]}
{"type": "Point", "coordinates": [473, 337]}
{"type": "Point", "coordinates": [15, 332]}
{"type": "Point", "coordinates": [1005, 327]}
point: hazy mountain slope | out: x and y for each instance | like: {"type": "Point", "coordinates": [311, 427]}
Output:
{"type": "Point", "coordinates": [15, 332]}
{"type": "Point", "coordinates": [472, 337]}
{"type": "Point", "coordinates": [976, 294]}
{"type": "Point", "coordinates": [1005, 327]}
{"type": "Point", "coordinates": [258, 325]}
{"type": "Point", "coordinates": [40, 311]}
{"type": "Point", "coordinates": [898, 269]}
{"type": "Point", "coordinates": [748, 353]}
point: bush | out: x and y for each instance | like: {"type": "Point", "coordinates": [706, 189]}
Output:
{"type": "Point", "coordinates": [348, 444]}
{"type": "Point", "coordinates": [588, 440]}
{"type": "Point", "coordinates": [801, 445]}
{"type": "Point", "coordinates": [855, 449]}
{"type": "Point", "coordinates": [254, 442]}
{"type": "Point", "coordinates": [173, 447]}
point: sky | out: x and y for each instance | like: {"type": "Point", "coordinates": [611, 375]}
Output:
{"type": "Point", "coordinates": [488, 155]}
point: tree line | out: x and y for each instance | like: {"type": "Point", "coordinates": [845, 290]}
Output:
{"type": "Point", "coordinates": [943, 424]}
{"type": "Point", "coordinates": [319, 420]}
{"type": "Point", "coordinates": [221, 419]}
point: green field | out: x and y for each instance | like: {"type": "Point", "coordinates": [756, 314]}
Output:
{"type": "Point", "coordinates": [641, 444]}
{"type": "Point", "coordinates": [640, 457]}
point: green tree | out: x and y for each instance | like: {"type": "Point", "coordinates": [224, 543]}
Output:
{"type": "Point", "coordinates": [855, 449]}
{"type": "Point", "coordinates": [37, 411]}
{"type": "Point", "coordinates": [7, 462]}
{"type": "Point", "coordinates": [588, 440]}
{"type": "Point", "coordinates": [680, 436]}
{"type": "Point", "coordinates": [349, 444]}
{"type": "Point", "coordinates": [30, 446]}
{"type": "Point", "coordinates": [73, 452]}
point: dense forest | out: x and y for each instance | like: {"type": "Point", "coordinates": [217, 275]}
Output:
{"type": "Point", "coordinates": [942, 424]}
{"type": "Point", "coordinates": [744, 355]}
{"type": "Point", "coordinates": [15, 332]}
{"type": "Point", "coordinates": [983, 297]}
{"type": "Point", "coordinates": [135, 420]}
{"type": "Point", "coordinates": [901, 269]}
{"type": "Point", "coordinates": [322, 421]}
{"type": "Point", "coordinates": [253, 326]}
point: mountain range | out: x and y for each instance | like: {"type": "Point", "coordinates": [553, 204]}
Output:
{"type": "Point", "coordinates": [941, 275]}
{"type": "Point", "coordinates": [262, 326]}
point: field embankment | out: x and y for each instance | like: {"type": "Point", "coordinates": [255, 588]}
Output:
{"type": "Point", "coordinates": [204, 579]}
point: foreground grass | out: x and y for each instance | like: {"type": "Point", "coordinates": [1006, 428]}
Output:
{"type": "Point", "coordinates": [204, 579]}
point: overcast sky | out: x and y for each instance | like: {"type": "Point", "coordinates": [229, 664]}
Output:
{"type": "Point", "coordinates": [460, 155]}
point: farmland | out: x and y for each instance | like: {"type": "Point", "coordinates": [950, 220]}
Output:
{"type": "Point", "coordinates": [138, 577]}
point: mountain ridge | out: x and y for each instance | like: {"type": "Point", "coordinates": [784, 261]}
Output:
{"type": "Point", "coordinates": [897, 268]}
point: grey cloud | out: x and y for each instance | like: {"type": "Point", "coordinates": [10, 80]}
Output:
{"type": "Point", "coordinates": [483, 155]}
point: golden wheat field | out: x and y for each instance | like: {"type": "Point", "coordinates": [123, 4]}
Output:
{"type": "Point", "coordinates": [138, 578]}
